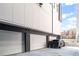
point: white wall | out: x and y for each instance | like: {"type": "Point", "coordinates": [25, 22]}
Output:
{"type": "Point", "coordinates": [18, 14]}
{"type": "Point", "coordinates": [46, 18]}
{"type": "Point", "coordinates": [6, 12]}
{"type": "Point", "coordinates": [39, 18]}
{"type": "Point", "coordinates": [29, 15]}
{"type": "Point", "coordinates": [32, 16]}
{"type": "Point", "coordinates": [56, 22]}
{"type": "Point", "coordinates": [10, 42]}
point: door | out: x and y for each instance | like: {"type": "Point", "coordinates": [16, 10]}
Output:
{"type": "Point", "coordinates": [10, 42]}
{"type": "Point", "coordinates": [37, 41]}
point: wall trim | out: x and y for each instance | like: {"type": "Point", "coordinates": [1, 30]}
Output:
{"type": "Point", "coordinates": [16, 28]}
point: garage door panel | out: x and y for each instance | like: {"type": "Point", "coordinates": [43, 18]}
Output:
{"type": "Point", "coordinates": [37, 42]}
{"type": "Point", "coordinates": [10, 42]}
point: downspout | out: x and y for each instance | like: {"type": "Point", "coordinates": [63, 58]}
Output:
{"type": "Point", "coordinates": [52, 18]}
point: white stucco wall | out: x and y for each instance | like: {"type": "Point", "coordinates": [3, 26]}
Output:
{"type": "Point", "coordinates": [29, 15]}
{"type": "Point", "coordinates": [56, 22]}
{"type": "Point", "coordinates": [39, 18]}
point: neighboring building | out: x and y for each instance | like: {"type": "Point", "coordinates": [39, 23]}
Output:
{"type": "Point", "coordinates": [63, 35]}
{"type": "Point", "coordinates": [69, 34]}
{"type": "Point", "coordinates": [26, 27]}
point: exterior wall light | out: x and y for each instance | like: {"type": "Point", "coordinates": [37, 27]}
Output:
{"type": "Point", "coordinates": [40, 4]}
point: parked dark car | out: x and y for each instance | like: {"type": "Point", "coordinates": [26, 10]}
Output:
{"type": "Point", "coordinates": [56, 43]}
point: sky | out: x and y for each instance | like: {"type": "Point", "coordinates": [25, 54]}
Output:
{"type": "Point", "coordinates": [68, 16]}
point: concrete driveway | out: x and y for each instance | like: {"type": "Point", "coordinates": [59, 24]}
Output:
{"type": "Point", "coordinates": [64, 51]}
